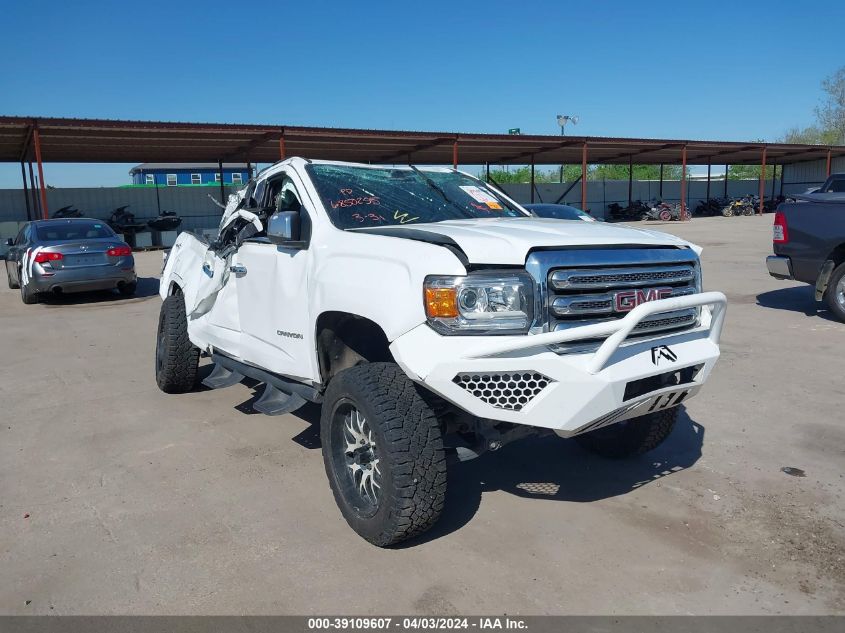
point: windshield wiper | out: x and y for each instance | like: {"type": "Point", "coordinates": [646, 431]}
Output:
{"type": "Point", "coordinates": [442, 193]}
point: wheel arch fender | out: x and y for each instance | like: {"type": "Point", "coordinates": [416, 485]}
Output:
{"type": "Point", "coordinates": [343, 340]}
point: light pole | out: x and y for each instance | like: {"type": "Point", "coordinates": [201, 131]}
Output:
{"type": "Point", "coordinates": [562, 120]}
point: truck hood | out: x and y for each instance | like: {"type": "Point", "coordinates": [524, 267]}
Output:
{"type": "Point", "coordinates": [507, 241]}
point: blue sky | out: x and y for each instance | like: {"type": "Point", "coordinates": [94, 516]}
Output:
{"type": "Point", "coordinates": [729, 71]}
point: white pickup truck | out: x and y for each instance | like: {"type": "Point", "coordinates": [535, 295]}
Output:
{"type": "Point", "coordinates": [434, 318]}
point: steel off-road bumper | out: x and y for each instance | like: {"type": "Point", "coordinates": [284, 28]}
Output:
{"type": "Point", "coordinates": [522, 379]}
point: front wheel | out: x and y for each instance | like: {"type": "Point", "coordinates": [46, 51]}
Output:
{"type": "Point", "coordinates": [631, 437]}
{"type": "Point", "coordinates": [383, 452]}
{"type": "Point", "coordinates": [835, 293]}
{"type": "Point", "coordinates": [176, 357]}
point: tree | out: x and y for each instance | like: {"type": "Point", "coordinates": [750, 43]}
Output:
{"type": "Point", "coordinates": [641, 172]}
{"type": "Point", "coordinates": [522, 174]}
{"type": "Point", "coordinates": [831, 112]}
{"type": "Point", "coordinates": [750, 172]}
{"type": "Point", "coordinates": [573, 172]}
{"type": "Point", "coordinates": [829, 128]}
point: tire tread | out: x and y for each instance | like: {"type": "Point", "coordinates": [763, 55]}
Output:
{"type": "Point", "coordinates": [415, 448]}
{"type": "Point", "coordinates": [178, 373]}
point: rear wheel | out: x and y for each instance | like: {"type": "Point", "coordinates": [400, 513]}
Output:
{"type": "Point", "coordinates": [28, 296]}
{"type": "Point", "coordinates": [12, 284]}
{"type": "Point", "coordinates": [127, 290]}
{"type": "Point", "coordinates": [383, 453]}
{"type": "Point", "coordinates": [631, 437]}
{"type": "Point", "coordinates": [176, 357]}
{"type": "Point", "coordinates": [835, 293]}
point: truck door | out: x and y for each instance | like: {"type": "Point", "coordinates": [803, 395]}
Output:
{"type": "Point", "coordinates": [272, 287]}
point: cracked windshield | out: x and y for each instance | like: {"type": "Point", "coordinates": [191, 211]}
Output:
{"type": "Point", "coordinates": [362, 197]}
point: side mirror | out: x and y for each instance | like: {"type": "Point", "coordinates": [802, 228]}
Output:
{"type": "Point", "coordinates": [284, 229]}
{"type": "Point", "coordinates": [10, 241]}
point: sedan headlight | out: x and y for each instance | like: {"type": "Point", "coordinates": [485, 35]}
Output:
{"type": "Point", "coordinates": [480, 303]}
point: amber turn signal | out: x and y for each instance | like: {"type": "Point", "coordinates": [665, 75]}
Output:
{"type": "Point", "coordinates": [441, 302]}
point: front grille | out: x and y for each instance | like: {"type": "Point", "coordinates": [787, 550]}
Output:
{"type": "Point", "coordinates": [584, 287]}
{"type": "Point", "coordinates": [511, 390]}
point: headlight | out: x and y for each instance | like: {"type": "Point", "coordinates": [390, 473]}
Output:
{"type": "Point", "coordinates": [480, 303]}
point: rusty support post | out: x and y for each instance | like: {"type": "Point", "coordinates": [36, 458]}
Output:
{"type": "Point", "coordinates": [532, 178]}
{"type": "Point", "coordinates": [708, 179]}
{"type": "Point", "coordinates": [25, 193]}
{"type": "Point", "coordinates": [762, 182]}
{"type": "Point", "coordinates": [36, 137]}
{"type": "Point", "coordinates": [780, 193]}
{"type": "Point", "coordinates": [282, 151]}
{"type": "Point", "coordinates": [584, 177]}
{"type": "Point", "coordinates": [726, 181]}
{"type": "Point", "coordinates": [684, 180]}
{"type": "Point", "coordinates": [222, 188]}
{"type": "Point", "coordinates": [660, 190]}
{"type": "Point", "coordinates": [827, 170]}
{"type": "Point", "coordinates": [630, 180]}
{"type": "Point", "coordinates": [488, 172]}
{"type": "Point", "coordinates": [36, 206]}
{"type": "Point", "coordinates": [774, 174]}
{"type": "Point", "coordinates": [455, 154]}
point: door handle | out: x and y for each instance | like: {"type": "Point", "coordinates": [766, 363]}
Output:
{"type": "Point", "coordinates": [238, 269]}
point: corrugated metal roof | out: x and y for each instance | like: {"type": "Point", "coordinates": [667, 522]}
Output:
{"type": "Point", "coordinates": [98, 140]}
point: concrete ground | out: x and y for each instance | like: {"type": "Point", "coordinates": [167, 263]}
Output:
{"type": "Point", "coordinates": [117, 498]}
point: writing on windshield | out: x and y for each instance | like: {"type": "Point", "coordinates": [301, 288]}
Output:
{"type": "Point", "coordinates": [362, 197]}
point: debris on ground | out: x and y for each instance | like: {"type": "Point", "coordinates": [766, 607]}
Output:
{"type": "Point", "coordinates": [795, 472]}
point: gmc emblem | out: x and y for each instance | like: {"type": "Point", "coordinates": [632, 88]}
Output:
{"type": "Point", "coordinates": [627, 300]}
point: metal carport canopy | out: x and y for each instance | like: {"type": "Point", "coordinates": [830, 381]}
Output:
{"type": "Point", "coordinates": [106, 141]}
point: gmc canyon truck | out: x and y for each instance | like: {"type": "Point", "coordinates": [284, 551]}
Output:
{"type": "Point", "coordinates": [434, 319]}
{"type": "Point", "coordinates": [809, 242]}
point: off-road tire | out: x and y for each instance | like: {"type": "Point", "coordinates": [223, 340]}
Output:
{"type": "Point", "coordinates": [409, 448]}
{"type": "Point", "coordinates": [127, 290]}
{"type": "Point", "coordinates": [176, 357]}
{"type": "Point", "coordinates": [28, 296]}
{"type": "Point", "coordinates": [12, 284]}
{"type": "Point", "coordinates": [631, 437]}
{"type": "Point", "coordinates": [830, 294]}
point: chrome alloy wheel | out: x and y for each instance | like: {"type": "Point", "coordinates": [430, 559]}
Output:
{"type": "Point", "coordinates": [361, 457]}
{"type": "Point", "coordinates": [839, 292]}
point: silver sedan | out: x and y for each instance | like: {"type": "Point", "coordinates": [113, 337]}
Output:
{"type": "Point", "coordinates": [69, 255]}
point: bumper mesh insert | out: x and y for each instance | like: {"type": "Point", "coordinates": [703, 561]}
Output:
{"type": "Point", "coordinates": [511, 390]}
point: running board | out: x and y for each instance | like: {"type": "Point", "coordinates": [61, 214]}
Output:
{"type": "Point", "coordinates": [281, 395]}
{"type": "Point", "coordinates": [275, 402]}
{"type": "Point", "coordinates": [221, 377]}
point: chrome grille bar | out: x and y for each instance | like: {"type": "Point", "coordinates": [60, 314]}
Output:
{"type": "Point", "coordinates": [663, 321]}
{"type": "Point", "coordinates": [592, 278]}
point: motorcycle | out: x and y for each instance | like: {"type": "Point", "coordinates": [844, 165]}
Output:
{"type": "Point", "coordinates": [67, 212]}
{"type": "Point", "coordinates": [633, 211]}
{"type": "Point", "coordinates": [666, 212]}
{"type": "Point", "coordinates": [712, 206]}
{"type": "Point", "coordinates": [166, 221]}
